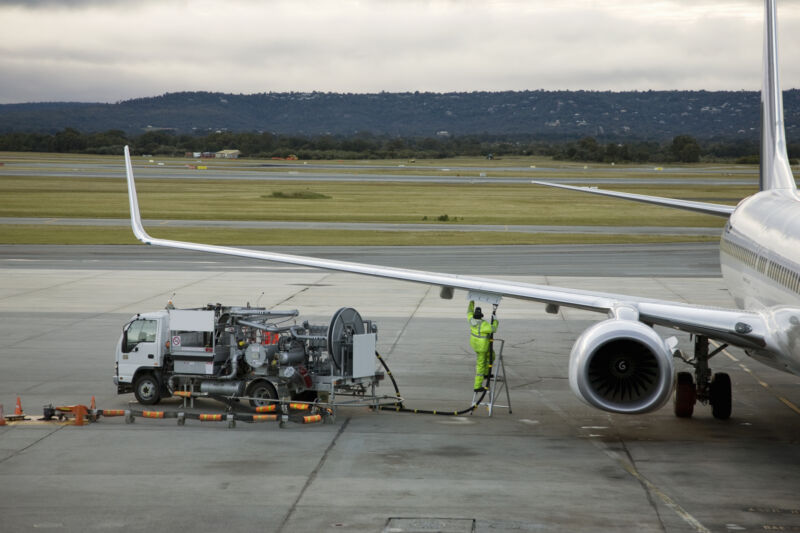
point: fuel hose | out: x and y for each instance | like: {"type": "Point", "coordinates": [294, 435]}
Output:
{"type": "Point", "coordinates": [400, 408]}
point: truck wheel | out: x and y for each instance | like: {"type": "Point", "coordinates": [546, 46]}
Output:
{"type": "Point", "coordinates": [146, 389]}
{"type": "Point", "coordinates": [261, 389]}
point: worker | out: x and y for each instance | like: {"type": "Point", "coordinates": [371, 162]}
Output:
{"type": "Point", "coordinates": [480, 340]}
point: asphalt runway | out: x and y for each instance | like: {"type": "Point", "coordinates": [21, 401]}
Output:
{"type": "Point", "coordinates": [408, 174]}
{"type": "Point", "coordinates": [552, 464]}
{"type": "Point", "coordinates": [366, 226]}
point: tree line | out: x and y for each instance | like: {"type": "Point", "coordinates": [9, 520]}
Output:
{"type": "Point", "coordinates": [682, 148]}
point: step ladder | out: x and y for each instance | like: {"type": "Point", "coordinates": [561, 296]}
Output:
{"type": "Point", "coordinates": [497, 382]}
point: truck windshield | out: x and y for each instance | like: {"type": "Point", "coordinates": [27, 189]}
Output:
{"type": "Point", "coordinates": [140, 331]}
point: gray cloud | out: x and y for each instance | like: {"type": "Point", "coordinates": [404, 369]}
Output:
{"type": "Point", "coordinates": [113, 50]}
{"type": "Point", "coordinates": [70, 4]}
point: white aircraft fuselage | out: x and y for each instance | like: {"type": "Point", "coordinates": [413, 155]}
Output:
{"type": "Point", "coordinates": [760, 262]}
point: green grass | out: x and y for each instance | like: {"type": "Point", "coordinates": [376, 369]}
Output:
{"type": "Point", "coordinates": [367, 202]}
{"type": "Point", "coordinates": [498, 204]}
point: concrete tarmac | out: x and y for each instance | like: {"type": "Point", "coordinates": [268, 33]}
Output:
{"type": "Point", "coordinates": [552, 464]}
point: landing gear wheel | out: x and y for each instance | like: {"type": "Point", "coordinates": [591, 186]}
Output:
{"type": "Point", "coordinates": [721, 396]}
{"type": "Point", "coordinates": [685, 395]}
{"type": "Point", "coordinates": [261, 389]}
{"type": "Point", "coordinates": [147, 389]}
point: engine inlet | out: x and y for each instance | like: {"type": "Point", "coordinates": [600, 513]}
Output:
{"type": "Point", "coordinates": [623, 371]}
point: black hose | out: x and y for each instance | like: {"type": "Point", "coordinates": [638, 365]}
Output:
{"type": "Point", "coordinates": [400, 408]}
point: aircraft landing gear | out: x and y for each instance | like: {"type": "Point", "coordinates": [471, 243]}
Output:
{"type": "Point", "coordinates": [705, 387]}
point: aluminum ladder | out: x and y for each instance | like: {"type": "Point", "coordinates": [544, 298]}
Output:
{"type": "Point", "coordinates": [497, 382]}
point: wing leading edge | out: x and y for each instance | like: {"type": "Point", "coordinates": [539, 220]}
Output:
{"type": "Point", "coordinates": [723, 324]}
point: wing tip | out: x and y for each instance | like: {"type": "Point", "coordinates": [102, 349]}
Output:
{"type": "Point", "coordinates": [133, 201]}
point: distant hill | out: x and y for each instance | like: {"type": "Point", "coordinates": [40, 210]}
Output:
{"type": "Point", "coordinates": [650, 115]}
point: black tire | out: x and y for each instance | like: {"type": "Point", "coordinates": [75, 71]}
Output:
{"type": "Point", "coordinates": [685, 395]}
{"type": "Point", "coordinates": [147, 389]}
{"type": "Point", "coordinates": [261, 389]}
{"type": "Point", "coordinates": [721, 396]}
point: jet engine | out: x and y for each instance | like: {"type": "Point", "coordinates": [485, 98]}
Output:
{"type": "Point", "coordinates": [622, 366]}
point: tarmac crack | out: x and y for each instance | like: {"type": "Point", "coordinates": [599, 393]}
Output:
{"type": "Point", "coordinates": [313, 476]}
{"type": "Point", "coordinates": [408, 321]}
{"type": "Point", "coordinates": [56, 285]}
{"type": "Point", "coordinates": [95, 315]}
{"type": "Point", "coordinates": [304, 289]}
{"type": "Point", "coordinates": [669, 289]}
{"type": "Point", "coordinates": [34, 443]}
{"type": "Point", "coordinates": [629, 466]}
{"type": "Point", "coordinates": [650, 488]}
{"type": "Point", "coordinates": [644, 486]}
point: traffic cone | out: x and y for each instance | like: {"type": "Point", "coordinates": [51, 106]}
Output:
{"type": "Point", "coordinates": [92, 406]}
{"type": "Point", "coordinates": [2, 418]}
{"type": "Point", "coordinates": [18, 408]}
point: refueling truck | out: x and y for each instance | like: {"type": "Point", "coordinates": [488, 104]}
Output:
{"type": "Point", "coordinates": [245, 353]}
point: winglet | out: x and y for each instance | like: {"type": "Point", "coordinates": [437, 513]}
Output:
{"type": "Point", "coordinates": [133, 200]}
{"type": "Point", "coordinates": [775, 171]}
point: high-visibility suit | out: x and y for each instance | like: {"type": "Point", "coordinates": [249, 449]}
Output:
{"type": "Point", "coordinates": [479, 340]}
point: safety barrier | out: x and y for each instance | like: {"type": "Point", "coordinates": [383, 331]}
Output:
{"type": "Point", "coordinates": [79, 415]}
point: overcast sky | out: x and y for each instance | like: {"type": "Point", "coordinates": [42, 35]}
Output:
{"type": "Point", "coordinates": [112, 50]}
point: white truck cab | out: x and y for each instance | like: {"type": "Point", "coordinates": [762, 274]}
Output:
{"type": "Point", "coordinates": [140, 356]}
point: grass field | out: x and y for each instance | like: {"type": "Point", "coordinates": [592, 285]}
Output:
{"type": "Point", "coordinates": [296, 200]}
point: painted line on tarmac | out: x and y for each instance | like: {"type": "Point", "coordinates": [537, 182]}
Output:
{"type": "Point", "coordinates": [788, 403]}
{"type": "Point", "coordinates": [664, 497]}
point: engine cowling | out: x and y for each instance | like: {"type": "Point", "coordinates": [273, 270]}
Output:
{"type": "Point", "coordinates": [622, 366]}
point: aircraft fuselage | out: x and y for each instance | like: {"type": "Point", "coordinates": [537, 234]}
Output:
{"type": "Point", "coordinates": [760, 262]}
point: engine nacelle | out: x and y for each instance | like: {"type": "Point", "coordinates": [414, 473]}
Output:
{"type": "Point", "coordinates": [622, 366]}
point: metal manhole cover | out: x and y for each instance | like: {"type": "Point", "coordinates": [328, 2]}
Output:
{"type": "Point", "coordinates": [430, 525]}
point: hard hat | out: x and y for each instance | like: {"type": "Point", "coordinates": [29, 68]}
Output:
{"type": "Point", "coordinates": [478, 313]}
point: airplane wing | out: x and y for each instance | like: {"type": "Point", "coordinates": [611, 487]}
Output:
{"type": "Point", "coordinates": [705, 208]}
{"type": "Point", "coordinates": [740, 328]}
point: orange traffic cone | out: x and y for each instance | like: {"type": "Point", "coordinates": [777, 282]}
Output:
{"type": "Point", "coordinates": [2, 418]}
{"type": "Point", "coordinates": [92, 406]}
{"type": "Point", "coordinates": [18, 408]}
